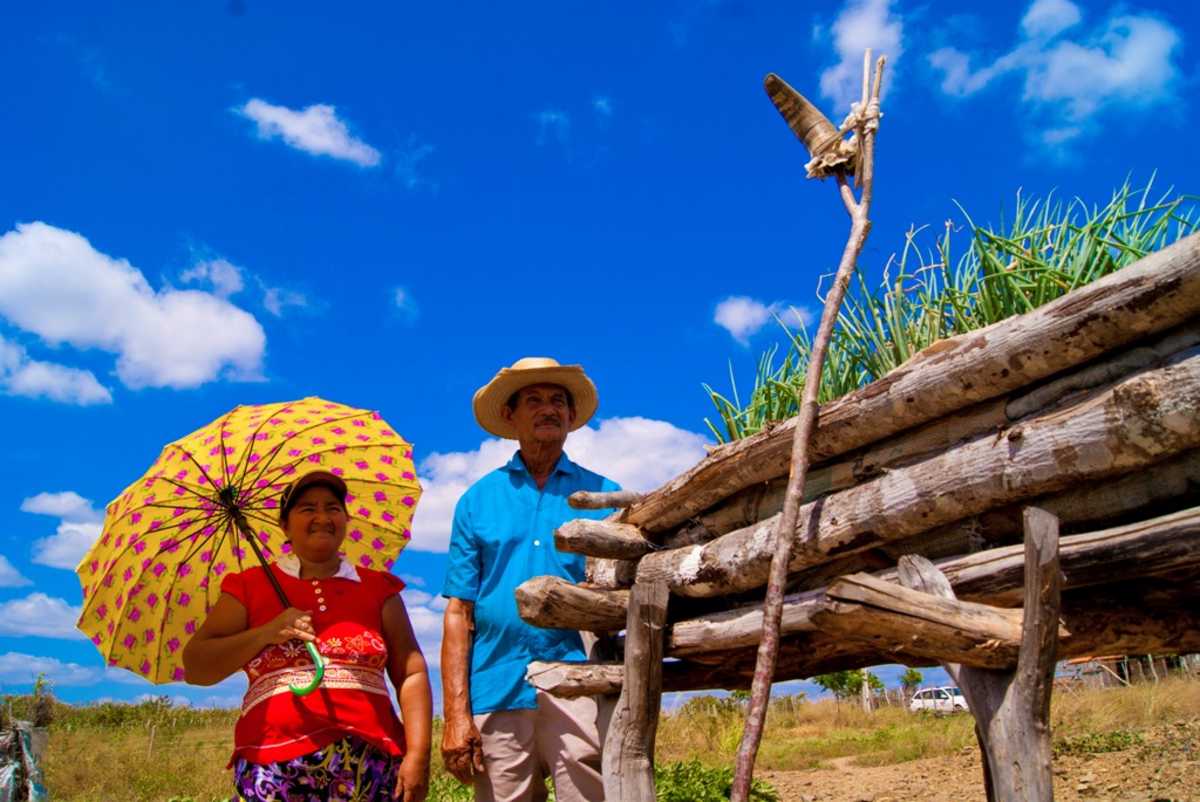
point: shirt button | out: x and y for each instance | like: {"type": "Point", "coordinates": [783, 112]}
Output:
{"type": "Point", "coordinates": [316, 583]}
{"type": "Point", "coordinates": [322, 608]}
{"type": "Point", "coordinates": [537, 542]}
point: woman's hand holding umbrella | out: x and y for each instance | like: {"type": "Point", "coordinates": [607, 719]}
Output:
{"type": "Point", "coordinates": [291, 624]}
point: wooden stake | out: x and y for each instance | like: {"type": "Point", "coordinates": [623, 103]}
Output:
{"type": "Point", "coordinates": [865, 122]}
{"type": "Point", "coordinates": [1012, 708]}
{"type": "Point", "coordinates": [628, 761]}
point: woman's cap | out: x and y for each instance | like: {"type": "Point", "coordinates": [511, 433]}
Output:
{"type": "Point", "coordinates": [323, 478]}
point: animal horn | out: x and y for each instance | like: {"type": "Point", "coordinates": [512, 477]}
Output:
{"type": "Point", "coordinates": [806, 121]}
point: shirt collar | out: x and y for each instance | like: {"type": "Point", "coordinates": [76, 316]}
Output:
{"type": "Point", "coordinates": [564, 464]}
{"type": "Point", "coordinates": [290, 565]}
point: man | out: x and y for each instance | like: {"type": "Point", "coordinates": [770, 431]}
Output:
{"type": "Point", "coordinates": [501, 733]}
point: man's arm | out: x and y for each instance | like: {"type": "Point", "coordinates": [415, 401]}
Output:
{"type": "Point", "coordinates": [462, 747]}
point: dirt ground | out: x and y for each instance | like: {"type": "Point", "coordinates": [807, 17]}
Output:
{"type": "Point", "coordinates": [1165, 767]}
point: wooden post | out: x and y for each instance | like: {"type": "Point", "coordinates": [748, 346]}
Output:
{"type": "Point", "coordinates": [1012, 709]}
{"type": "Point", "coordinates": [628, 762]}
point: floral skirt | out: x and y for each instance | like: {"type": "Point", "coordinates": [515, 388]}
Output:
{"type": "Point", "coordinates": [349, 770]}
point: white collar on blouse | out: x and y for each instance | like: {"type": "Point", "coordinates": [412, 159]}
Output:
{"type": "Point", "coordinates": [290, 565]}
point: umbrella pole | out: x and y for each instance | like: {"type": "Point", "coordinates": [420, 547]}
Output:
{"type": "Point", "coordinates": [244, 527]}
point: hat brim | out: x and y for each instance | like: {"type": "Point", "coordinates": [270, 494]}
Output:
{"type": "Point", "coordinates": [490, 399]}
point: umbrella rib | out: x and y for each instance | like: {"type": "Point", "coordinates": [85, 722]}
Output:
{"type": "Point", "coordinates": [167, 600]}
{"type": "Point", "coordinates": [221, 443]}
{"type": "Point", "coordinates": [199, 467]}
{"type": "Point", "coordinates": [256, 492]}
{"type": "Point", "coordinates": [254, 438]}
{"type": "Point", "coordinates": [275, 452]}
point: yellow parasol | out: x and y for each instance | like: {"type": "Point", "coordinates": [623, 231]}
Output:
{"type": "Point", "coordinates": [169, 539]}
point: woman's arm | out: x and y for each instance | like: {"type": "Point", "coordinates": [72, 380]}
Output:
{"type": "Point", "coordinates": [224, 643]}
{"type": "Point", "coordinates": [410, 676]}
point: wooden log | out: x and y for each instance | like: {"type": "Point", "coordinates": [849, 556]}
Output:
{"type": "Point", "coordinates": [588, 500]}
{"type": "Point", "coordinates": [760, 501]}
{"type": "Point", "coordinates": [1144, 418]}
{"type": "Point", "coordinates": [875, 611]}
{"type": "Point", "coordinates": [628, 756]}
{"type": "Point", "coordinates": [1103, 622]}
{"type": "Point", "coordinates": [555, 603]}
{"type": "Point", "coordinates": [602, 539]}
{"type": "Point", "coordinates": [1154, 294]}
{"type": "Point", "coordinates": [1012, 708]}
{"type": "Point", "coordinates": [1153, 491]}
{"type": "Point", "coordinates": [1158, 547]}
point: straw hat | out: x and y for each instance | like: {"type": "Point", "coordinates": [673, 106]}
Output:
{"type": "Point", "coordinates": [490, 398]}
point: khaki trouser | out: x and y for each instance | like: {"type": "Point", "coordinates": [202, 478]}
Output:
{"type": "Point", "coordinates": [521, 748]}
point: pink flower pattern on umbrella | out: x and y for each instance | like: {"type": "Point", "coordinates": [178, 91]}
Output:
{"type": "Point", "coordinates": [168, 537]}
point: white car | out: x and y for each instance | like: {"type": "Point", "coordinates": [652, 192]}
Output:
{"type": "Point", "coordinates": [947, 699]}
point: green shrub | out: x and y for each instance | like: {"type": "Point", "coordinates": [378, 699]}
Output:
{"type": "Point", "coordinates": [692, 781]}
{"type": "Point", "coordinates": [1091, 743]}
{"type": "Point", "coordinates": [972, 276]}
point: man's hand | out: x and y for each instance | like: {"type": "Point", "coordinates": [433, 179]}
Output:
{"type": "Point", "coordinates": [462, 749]}
{"type": "Point", "coordinates": [412, 778]}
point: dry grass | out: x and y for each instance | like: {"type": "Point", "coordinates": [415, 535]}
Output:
{"type": "Point", "coordinates": [106, 752]}
{"type": "Point", "coordinates": [803, 736]}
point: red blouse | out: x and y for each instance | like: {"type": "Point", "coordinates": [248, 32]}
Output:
{"type": "Point", "coordinates": [353, 697]}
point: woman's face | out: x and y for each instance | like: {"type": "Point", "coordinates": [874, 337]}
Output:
{"type": "Point", "coordinates": [316, 524]}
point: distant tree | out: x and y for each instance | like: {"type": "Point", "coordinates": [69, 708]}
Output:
{"type": "Point", "coordinates": [842, 684]}
{"type": "Point", "coordinates": [874, 683]}
{"type": "Point", "coordinates": [911, 679]}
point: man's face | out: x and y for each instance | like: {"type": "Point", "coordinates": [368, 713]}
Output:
{"type": "Point", "coordinates": [543, 414]}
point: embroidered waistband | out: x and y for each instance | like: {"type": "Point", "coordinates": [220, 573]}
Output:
{"type": "Point", "coordinates": [337, 676]}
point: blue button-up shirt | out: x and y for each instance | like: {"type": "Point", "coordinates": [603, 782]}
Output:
{"type": "Point", "coordinates": [503, 535]}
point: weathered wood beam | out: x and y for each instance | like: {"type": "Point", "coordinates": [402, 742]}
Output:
{"type": "Point", "coordinates": [602, 539]}
{"type": "Point", "coordinates": [627, 760]}
{"type": "Point", "coordinates": [589, 500]}
{"type": "Point", "coordinates": [1151, 492]}
{"type": "Point", "coordinates": [555, 603]}
{"type": "Point", "coordinates": [1012, 708]}
{"type": "Point", "coordinates": [1101, 621]}
{"type": "Point", "coordinates": [906, 621]}
{"type": "Point", "coordinates": [1142, 419]}
{"type": "Point", "coordinates": [1154, 294]}
{"type": "Point", "coordinates": [1162, 546]}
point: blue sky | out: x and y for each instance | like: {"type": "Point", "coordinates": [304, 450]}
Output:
{"type": "Point", "coordinates": [218, 203]}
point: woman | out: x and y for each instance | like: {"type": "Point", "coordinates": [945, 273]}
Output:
{"type": "Point", "coordinates": [343, 741]}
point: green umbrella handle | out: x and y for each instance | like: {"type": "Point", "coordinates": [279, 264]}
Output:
{"type": "Point", "coordinates": [243, 526]}
{"type": "Point", "coordinates": [319, 663]}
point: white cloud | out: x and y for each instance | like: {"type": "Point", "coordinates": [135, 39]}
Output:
{"type": "Point", "coordinates": [77, 530]}
{"type": "Point", "coordinates": [68, 505]}
{"type": "Point", "coordinates": [277, 299]}
{"type": "Point", "coordinates": [553, 123]}
{"type": "Point", "coordinates": [637, 453]}
{"type": "Point", "coordinates": [862, 24]}
{"type": "Point", "coordinates": [54, 284]}
{"type": "Point", "coordinates": [224, 276]}
{"type": "Point", "coordinates": [31, 378]}
{"type": "Point", "coordinates": [1127, 61]}
{"type": "Point", "coordinates": [1050, 17]}
{"type": "Point", "coordinates": [66, 547]}
{"type": "Point", "coordinates": [743, 317]}
{"type": "Point", "coordinates": [314, 129]}
{"type": "Point", "coordinates": [40, 616]}
{"type": "Point", "coordinates": [23, 669]}
{"type": "Point", "coordinates": [10, 577]}
{"type": "Point", "coordinates": [602, 105]}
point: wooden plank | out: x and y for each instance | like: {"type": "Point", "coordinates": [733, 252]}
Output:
{"type": "Point", "coordinates": [628, 757]}
{"type": "Point", "coordinates": [1140, 420]}
{"type": "Point", "coordinates": [553, 602]}
{"type": "Point", "coordinates": [602, 539]}
{"type": "Point", "coordinates": [1162, 546]}
{"type": "Point", "coordinates": [1152, 295]}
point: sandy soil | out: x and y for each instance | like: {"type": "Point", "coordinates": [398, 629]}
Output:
{"type": "Point", "coordinates": [1165, 767]}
